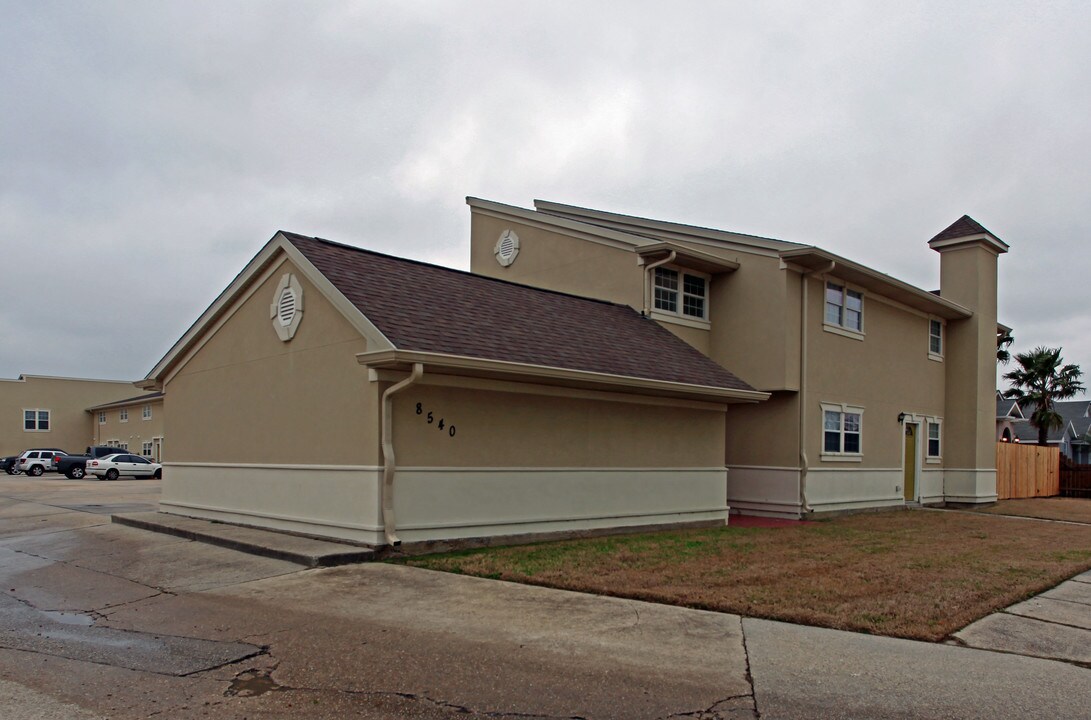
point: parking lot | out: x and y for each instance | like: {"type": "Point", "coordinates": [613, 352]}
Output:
{"type": "Point", "coordinates": [99, 620]}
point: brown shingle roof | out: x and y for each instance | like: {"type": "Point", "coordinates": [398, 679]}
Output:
{"type": "Point", "coordinates": [429, 308]}
{"type": "Point", "coordinates": [963, 227]}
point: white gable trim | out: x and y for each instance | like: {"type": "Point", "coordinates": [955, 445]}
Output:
{"type": "Point", "coordinates": [267, 262]}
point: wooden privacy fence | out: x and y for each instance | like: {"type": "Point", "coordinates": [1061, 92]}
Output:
{"type": "Point", "coordinates": [1025, 471]}
{"type": "Point", "coordinates": [1075, 479]}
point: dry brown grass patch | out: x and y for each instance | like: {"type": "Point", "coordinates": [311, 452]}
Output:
{"type": "Point", "coordinates": [1051, 508]}
{"type": "Point", "coordinates": [918, 574]}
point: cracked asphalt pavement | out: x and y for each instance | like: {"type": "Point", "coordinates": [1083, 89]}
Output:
{"type": "Point", "coordinates": [99, 620]}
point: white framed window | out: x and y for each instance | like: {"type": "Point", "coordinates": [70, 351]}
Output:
{"type": "Point", "coordinates": [124, 446]}
{"type": "Point", "coordinates": [36, 420]}
{"type": "Point", "coordinates": [147, 412]}
{"type": "Point", "coordinates": [101, 417]}
{"type": "Point", "coordinates": [842, 432]}
{"type": "Point", "coordinates": [123, 415]}
{"type": "Point", "coordinates": [934, 448]}
{"type": "Point", "coordinates": [113, 443]}
{"type": "Point", "coordinates": [681, 292]}
{"type": "Point", "coordinates": [844, 308]}
{"type": "Point", "coordinates": [146, 449]}
{"type": "Point", "coordinates": [935, 339]}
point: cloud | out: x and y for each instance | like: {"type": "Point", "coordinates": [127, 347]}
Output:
{"type": "Point", "coordinates": [153, 148]}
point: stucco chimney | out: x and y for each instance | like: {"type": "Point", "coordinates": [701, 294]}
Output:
{"type": "Point", "coordinates": [968, 259]}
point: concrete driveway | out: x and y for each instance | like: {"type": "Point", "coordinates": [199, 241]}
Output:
{"type": "Point", "coordinates": [103, 621]}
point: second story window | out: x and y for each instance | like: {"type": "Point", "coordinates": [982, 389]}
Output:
{"type": "Point", "coordinates": [935, 338]}
{"type": "Point", "coordinates": [102, 417]}
{"type": "Point", "coordinates": [844, 307]}
{"type": "Point", "coordinates": [147, 412]}
{"type": "Point", "coordinates": [123, 415]}
{"type": "Point", "coordinates": [681, 293]}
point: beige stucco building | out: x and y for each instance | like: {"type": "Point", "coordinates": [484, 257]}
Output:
{"type": "Point", "coordinates": [338, 392]}
{"type": "Point", "coordinates": [38, 411]}
{"type": "Point", "coordinates": [880, 393]}
{"type": "Point", "coordinates": [576, 380]}
{"type": "Point", "coordinates": [133, 424]}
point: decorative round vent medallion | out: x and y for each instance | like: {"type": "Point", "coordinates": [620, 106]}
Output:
{"type": "Point", "coordinates": [286, 310]}
{"type": "Point", "coordinates": [507, 248]}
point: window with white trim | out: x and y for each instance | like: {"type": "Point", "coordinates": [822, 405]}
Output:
{"type": "Point", "coordinates": [101, 417]}
{"type": "Point", "coordinates": [123, 415]}
{"type": "Point", "coordinates": [935, 338]}
{"type": "Point", "coordinates": [933, 451]}
{"type": "Point", "coordinates": [681, 293]}
{"type": "Point", "coordinates": [147, 412]}
{"type": "Point", "coordinates": [844, 307]}
{"type": "Point", "coordinates": [842, 430]}
{"type": "Point", "coordinates": [124, 446]}
{"type": "Point", "coordinates": [36, 420]}
{"type": "Point", "coordinates": [146, 449]}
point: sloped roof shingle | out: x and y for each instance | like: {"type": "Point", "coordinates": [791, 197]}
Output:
{"type": "Point", "coordinates": [429, 308]}
{"type": "Point", "coordinates": [963, 227]}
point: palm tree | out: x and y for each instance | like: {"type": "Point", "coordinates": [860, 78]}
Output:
{"type": "Point", "coordinates": [1003, 340]}
{"type": "Point", "coordinates": [1038, 382]}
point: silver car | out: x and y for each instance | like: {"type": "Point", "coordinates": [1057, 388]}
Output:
{"type": "Point", "coordinates": [112, 467]}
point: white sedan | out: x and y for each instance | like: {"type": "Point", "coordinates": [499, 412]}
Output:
{"type": "Point", "coordinates": [112, 467]}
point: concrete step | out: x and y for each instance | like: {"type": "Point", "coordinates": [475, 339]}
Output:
{"type": "Point", "coordinates": [309, 552]}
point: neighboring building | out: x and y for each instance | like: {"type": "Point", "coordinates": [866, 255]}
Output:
{"type": "Point", "coordinates": [880, 391]}
{"type": "Point", "coordinates": [1008, 414]}
{"type": "Point", "coordinates": [134, 424]}
{"type": "Point", "coordinates": [1073, 437]}
{"type": "Point", "coordinates": [339, 392]}
{"type": "Point", "coordinates": [42, 411]}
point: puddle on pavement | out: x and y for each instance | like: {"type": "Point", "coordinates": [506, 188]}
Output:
{"type": "Point", "coordinates": [251, 684]}
{"type": "Point", "coordinates": [69, 618]}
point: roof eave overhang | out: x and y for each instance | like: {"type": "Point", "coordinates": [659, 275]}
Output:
{"type": "Point", "coordinates": [131, 401]}
{"type": "Point", "coordinates": [613, 237]}
{"type": "Point", "coordinates": [658, 227]}
{"type": "Point", "coordinates": [688, 257]}
{"type": "Point", "coordinates": [524, 372]}
{"type": "Point", "coordinates": [812, 258]}
{"type": "Point", "coordinates": [985, 240]}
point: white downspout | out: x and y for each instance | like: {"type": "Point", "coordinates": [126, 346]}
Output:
{"type": "Point", "coordinates": [647, 272]}
{"type": "Point", "coordinates": [389, 463]}
{"type": "Point", "coordinates": [803, 463]}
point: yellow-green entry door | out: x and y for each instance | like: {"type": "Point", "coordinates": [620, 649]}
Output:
{"type": "Point", "coordinates": [910, 483]}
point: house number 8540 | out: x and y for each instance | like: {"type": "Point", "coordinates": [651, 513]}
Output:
{"type": "Point", "coordinates": [431, 418]}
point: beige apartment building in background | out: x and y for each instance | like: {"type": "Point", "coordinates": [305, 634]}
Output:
{"type": "Point", "coordinates": [38, 411]}
{"type": "Point", "coordinates": [880, 394]}
{"type": "Point", "coordinates": [133, 424]}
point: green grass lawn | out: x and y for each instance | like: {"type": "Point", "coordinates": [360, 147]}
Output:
{"type": "Point", "coordinates": [916, 574]}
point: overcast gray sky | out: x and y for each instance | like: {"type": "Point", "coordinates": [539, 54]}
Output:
{"type": "Point", "coordinates": [149, 149]}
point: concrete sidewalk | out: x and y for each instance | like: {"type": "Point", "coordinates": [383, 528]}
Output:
{"type": "Point", "coordinates": [1054, 625]}
{"type": "Point", "coordinates": [102, 620]}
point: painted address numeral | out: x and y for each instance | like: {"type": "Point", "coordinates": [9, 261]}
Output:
{"type": "Point", "coordinates": [430, 417]}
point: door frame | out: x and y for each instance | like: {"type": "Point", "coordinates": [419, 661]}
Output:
{"type": "Point", "coordinates": [917, 422]}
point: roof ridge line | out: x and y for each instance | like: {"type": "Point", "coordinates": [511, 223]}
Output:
{"type": "Point", "coordinates": [469, 273]}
